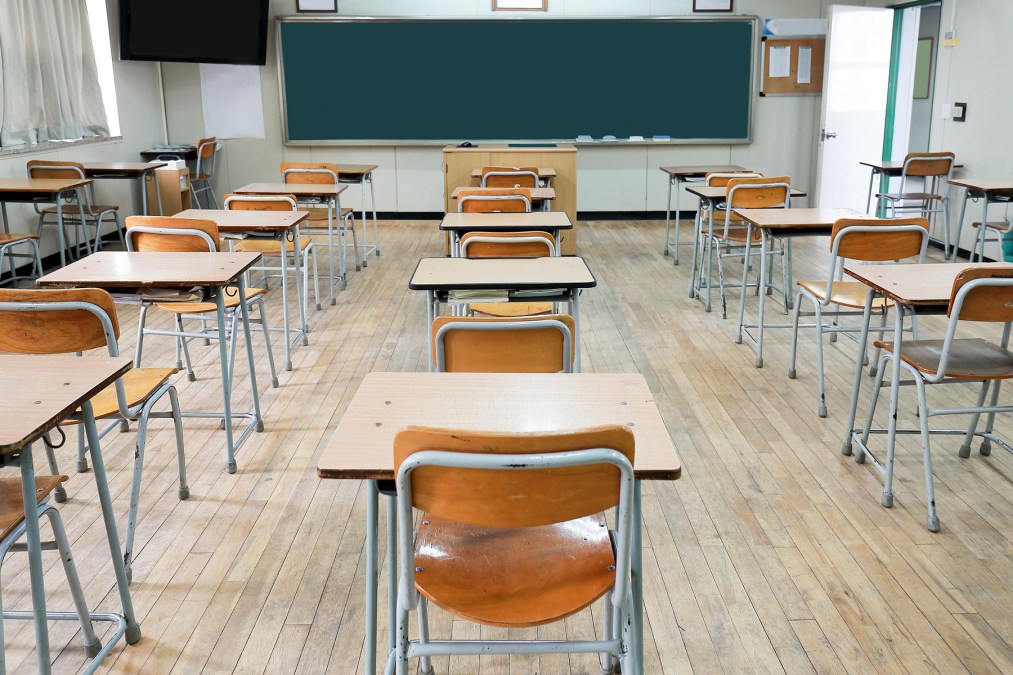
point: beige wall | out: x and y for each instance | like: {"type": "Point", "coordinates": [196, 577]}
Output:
{"type": "Point", "coordinates": [141, 126]}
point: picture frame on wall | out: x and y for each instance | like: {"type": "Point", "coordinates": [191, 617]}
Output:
{"type": "Point", "coordinates": [520, 5]}
{"type": "Point", "coordinates": [316, 6]}
{"type": "Point", "coordinates": [712, 5]}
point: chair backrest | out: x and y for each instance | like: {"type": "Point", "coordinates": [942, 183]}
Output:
{"type": "Point", "coordinates": [539, 344]}
{"type": "Point", "coordinates": [758, 193]}
{"type": "Point", "coordinates": [167, 234]}
{"type": "Point", "coordinates": [309, 173]}
{"type": "Point", "coordinates": [509, 176]}
{"type": "Point", "coordinates": [982, 294]}
{"type": "Point", "coordinates": [46, 168]}
{"type": "Point", "coordinates": [33, 324]}
{"type": "Point", "coordinates": [527, 497]}
{"type": "Point", "coordinates": [928, 164]}
{"type": "Point", "coordinates": [720, 179]}
{"type": "Point", "coordinates": [879, 240]}
{"type": "Point", "coordinates": [494, 200]}
{"type": "Point", "coordinates": [207, 152]}
{"type": "Point", "coordinates": [508, 245]}
{"type": "Point", "coordinates": [247, 202]}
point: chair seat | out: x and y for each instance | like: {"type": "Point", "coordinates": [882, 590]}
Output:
{"type": "Point", "coordinates": [511, 309]}
{"type": "Point", "coordinates": [999, 226]}
{"type": "Point", "coordinates": [901, 196]}
{"type": "Point", "coordinates": [271, 246]}
{"type": "Point", "coordinates": [138, 385]}
{"type": "Point", "coordinates": [74, 210]}
{"type": "Point", "coordinates": [201, 177]}
{"type": "Point", "coordinates": [12, 505]}
{"type": "Point", "coordinates": [231, 302]}
{"type": "Point", "coordinates": [736, 233]}
{"type": "Point", "coordinates": [970, 358]}
{"type": "Point", "coordinates": [317, 214]}
{"type": "Point", "coordinates": [846, 294]}
{"type": "Point", "coordinates": [514, 577]}
{"type": "Point", "coordinates": [15, 237]}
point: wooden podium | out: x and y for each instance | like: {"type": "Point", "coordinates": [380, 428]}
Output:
{"type": "Point", "coordinates": [174, 186]}
{"type": "Point", "coordinates": [458, 164]}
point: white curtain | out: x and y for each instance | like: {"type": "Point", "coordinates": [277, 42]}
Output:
{"type": "Point", "coordinates": [49, 87]}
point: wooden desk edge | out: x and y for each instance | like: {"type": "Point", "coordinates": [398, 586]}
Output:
{"type": "Point", "coordinates": [366, 474]}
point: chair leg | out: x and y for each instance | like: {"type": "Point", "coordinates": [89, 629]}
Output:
{"type": "Point", "coordinates": [923, 424]}
{"type": "Point", "coordinates": [820, 379]}
{"type": "Point", "coordinates": [182, 343]}
{"type": "Point", "coordinates": [986, 444]}
{"type": "Point", "coordinates": [92, 645]}
{"type": "Point", "coordinates": [401, 647]}
{"type": "Point", "coordinates": [59, 494]}
{"type": "Point", "coordinates": [139, 346]}
{"type": "Point", "coordinates": [425, 663]}
{"type": "Point", "coordinates": [177, 422]}
{"type": "Point", "coordinates": [267, 340]}
{"type": "Point", "coordinates": [355, 243]}
{"type": "Point", "coordinates": [135, 488]}
{"type": "Point", "coordinates": [214, 198]}
{"type": "Point", "coordinates": [82, 450]}
{"type": "Point", "coordinates": [316, 280]}
{"type": "Point", "coordinates": [721, 284]}
{"type": "Point", "coordinates": [876, 389]}
{"type": "Point", "coordinates": [876, 356]}
{"type": "Point", "coordinates": [965, 448]}
{"type": "Point", "coordinates": [794, 336]}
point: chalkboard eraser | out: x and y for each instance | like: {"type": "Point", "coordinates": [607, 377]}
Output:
{"type": "Point", "coordinates": [608, 139]}
{"type": "Point", "coordinates": [584, 138]}
{"type": "Point", "coordinates": [636, 139]}
{"type": "Point", "coordinates": [662, 138]}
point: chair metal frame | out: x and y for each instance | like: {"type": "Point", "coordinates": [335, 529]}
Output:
{"type": "Point", "coordinates": [837, 274]}
{"type": "Point", "coordinates": [518, 172]}
{"type": "Point", "coordinates": [860, 437]}
{"type": "Point", "coordinates": [33, 241]}
{"type": "Point", "coordinates": [481, 238]}
{"type": "Point", "coordinates": [618, 644]}
{"type": "Point", "coordinates": [205, 168]}
{"type": "Point", "coordinates": [982, 238]}
{"type": "Point", "coordinates": [84, 196]}
{"type": "Point", "coordinates": [494, 198]}
{"type": "Point", "coordinates": [345, 221]}
{"type": "Point", "coordinates": [140, 413]}
{"type": "Point", "coordinates": [885, 199]}
{"type": "Point", "coordinates": [495, 325]}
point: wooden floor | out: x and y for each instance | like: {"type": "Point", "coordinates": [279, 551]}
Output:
{"type": "Point", "coordinates": [771, 554]}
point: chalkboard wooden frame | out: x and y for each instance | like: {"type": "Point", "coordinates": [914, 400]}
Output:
{"type": "Point", "coordinates": [693, 97]}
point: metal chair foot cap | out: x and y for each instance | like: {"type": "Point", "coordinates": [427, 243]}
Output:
{"type": "Point", "coordinates": [184, 493]}
{"type": "Point", "coordinates": [887, 501]}
{"type": "Point", "coordinates": [846, 449]}
{"type": "Point", "coordinates": [82, 466]}
{"type": "Point", "coordinates": [365, 264]}
{"type": "Point", "coordinates": [274, 380]}
{"type": "Point", "coordinates": [822, 412]}
{"type": "Point", "coordinates": [221, 425]}
{"type": "Point", "coordinates": [933, 524]}
{"type": "Point", "coordinates": [133, 634]}
{"type": "Point", "coordinates": [791, 373]}
{"type": "Point", "coordinates": [358, 268]}
{"type": "Point", "coordinates": [230, 467]}
{"type": "Point", "coordinates": [333, 302]}
{"type": "Point", "coordinates": [60, 495]}
{"type": "Point", "coordinates": [91, 649]}
{"type": "Point", "coordinates": [319, 307]}
{"type": "Point", "coordinates": [965, 451]}
{"type": "Point", "coordinates": [664, 252]}
{"type": "Point", "coordinates": [192, 377]}
{"type": "Point", "coordinates": [859, 458]}
{"type": "Point", "coordinates": [759, 363]}
{"type": "Point", "coordinates": [260, 426]}
{"type": "Point", "coordinates": [130, 575]}
{"type": "Point", "coordinates": [124, 426]}
{"type": "Point", "coordinates": [986, 448]}
{"type": "Point", "coordinates": [305, 341]}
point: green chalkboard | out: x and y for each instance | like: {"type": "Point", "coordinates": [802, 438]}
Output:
{"type": "Point", "coordinates": [436, 80]}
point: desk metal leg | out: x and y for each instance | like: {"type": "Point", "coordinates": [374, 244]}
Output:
{"type": "Point", "coordinates": [697, 263]}
{"type": "Point", "coordinates": [391, 572]}
{"type": "Point", "coordinates": [372, 525]}
{"type": "Point", "coordinates": [7, 230]}
{"type": "Point", "coordinates": [856, 386]}
{"type": "Point", "coordinates": [59, 229]}
{"type": "Point", "coordinates": [284, 303]}
{"type": "Point", "coordinates": [575, 312]}
{"type": "Point", "coordinates": [330, 247]}
{"type": "Point", "coordinates": [891, 434]}
{"type": "Point", "coordinates": [302, 290]}
{"type": "Point", "coordinates": [245, 314]}
{"type": "Point", "coordinates": [637, 580]}
{"type": "Point", "coordinates": [868, 200]}
{"type": "Point", "coordinates": [98, 467]}
{"type": "Point", "coordinates": [984, 230]}
{"type": "Point", "coordinates": [744, 283]}
{"type": "Point", "coordinates": [960, 227]}
{"type": "Point", "coordinates": [376, 226]}
{"type": "Point", "coordinates": [430, 318]}
{"type": "Point", "coordinates": [668, 217]}
{"type": "Point", "coordinates": [344, 244]}
{"type": "Point", "coordinates": [34, 544]}
{"type": "Point", "coordinates": [223, 355]}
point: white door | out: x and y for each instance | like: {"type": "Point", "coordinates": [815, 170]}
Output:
{"type": "Point", "coordinates": [856, 75]}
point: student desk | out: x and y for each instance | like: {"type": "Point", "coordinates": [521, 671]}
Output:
{"type": "Point", "coordinates": [713, 196]}
{"type": "Point", "coordinates": [39, 191]}
{"type": "Point", "coordinates": [40, 391]}
{"type": "Point", "coordinates": [278, 224]}
{"type": "Point", "coordinates": [790, 222]}
{"type": "Point", "coordinates": [312, 193]}
{"type": "Point", "coordinates": [990, 191]}
{"type": "Point", "coordinates": [128, 171]}
{"type": "Point", "coordinates": [915, 289]}
{"type": "Point", "coordinates": [556, 279]}
{"type": "Point", "coordinates": [362, 445]}
{"type": "Point", "coordinates": [887, 169]}
{"type": "Point", "coordinates": [188, 153]}
{"type": "Point", "coordinates": [459, 224]}
{"type": "Point", "coordinates": [546, 173]}
{"type": "Point", "coordinates": [677, 175]}
{"type": "Point", "coordinates": [538, 194]}
{"type": "Point", "coordinates": [132, 271]}
{"type": "Point", "coordinates": [362, 174]}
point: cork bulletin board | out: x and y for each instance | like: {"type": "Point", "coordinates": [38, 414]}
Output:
{"type": "Point", "coordinates": [792, 66]}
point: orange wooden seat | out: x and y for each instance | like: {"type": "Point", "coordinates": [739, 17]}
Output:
{"type": "Point", "coordinates": [12, 505]}
{"type": "Point", "coordinates": [494, 200]}
{"type": "Point", "coordinates": [231, 302]}
{"type": "Point", "coordinates": [844, 293]}
{"type": "Point", "coordinates": [509, 176]}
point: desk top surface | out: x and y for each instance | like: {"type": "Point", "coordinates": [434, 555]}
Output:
{"type": "Point", "coordinates": [792, 218]}
{"type": "Point", "coordinates": [894, 168]}
{"type": "Point", "coordinates": [721, 191]}
{"type": "Point", "coordinates": [447, 274]}
{"type": "Point", "coordinates": [543, 172]}
{"type": "Point", "coordinates": [545, 220]}
{"type": "Point", "coordinates": [41, 186]}
{"type": "Point", "coordinates": [925, 285]}
{"type": "Point", "coordinates": [701, 170]}
{"type": "Point", "coordinates": [356, 169]}
{"type": "Point", "coordinates": [362, 445]}
{"type": "Point", "coordinates": [122, 269]}
{"type": "Point", "coordinates": [985, 184]}
{"type": "Point", "coordinates": [240, 220]}
{"type": "Point", "coordinates": [41, 390]}
{"type": "Point", "coordinates": [99, 169]}
{"type": "Point", "coordinates": [537, 193]}
{"type": "Point", "coordinates": [297, 189]}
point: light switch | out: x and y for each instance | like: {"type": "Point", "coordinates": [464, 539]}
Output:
{"type": "Point", "coordinates": [959, 112]}
{"type": "Point", "coordinates": [944, 111]}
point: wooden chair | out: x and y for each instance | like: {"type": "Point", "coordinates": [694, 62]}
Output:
{"type": "Point", "coordinates": [745, 193]}
{"type": "Point", "coordinates": [509, 245]}
{"type": "Point", "coordinates": [272, 247]}
{"type": "Point", "coordinates": [324, 173]}
{"type": "Point", "coordinates": [79, 320]}
{"type": "Point", "coordinates": [510, 177]}
{"type": "Point", "coordinates": [10, 241]}
{"type": "Point", "coordinates": [165, 234]}
{"type": "Point", "coordinates": [513, 534]}
{"type": "Point", "coordinates": [207, 155]}
{"type": "Point", "coordinates": [496, 345]}
{"type": "Point", "coordinates": [980, 294]}
{"type": "Point", "coordinates": [933, 169]}
{"type": "Point", "coordinates": [494, 200]}
{"type": "Point", "coordinates": [863, 240]}
{"type": "Point", "coordinates": [13, 527]}
{"type": "Point", "coordinates": [1000, 229]}
{"type": "Point", "coordinates": [84, 213]}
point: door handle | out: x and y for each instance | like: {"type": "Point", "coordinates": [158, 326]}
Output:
{"type": "Point", "coordinates": [824, 134]}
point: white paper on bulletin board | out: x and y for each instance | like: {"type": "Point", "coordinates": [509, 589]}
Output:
{"type": "Point", "coordinates": [233, 107]}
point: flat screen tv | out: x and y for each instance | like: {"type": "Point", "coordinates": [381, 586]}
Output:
{"type": "Point", "coordinates": [203, 31]}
